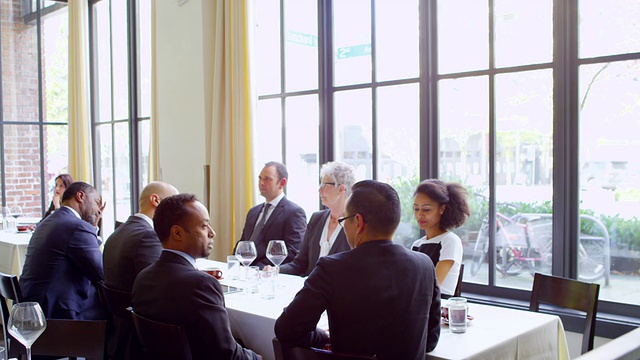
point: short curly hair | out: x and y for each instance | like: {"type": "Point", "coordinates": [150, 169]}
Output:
{"type": "Point", "coordinates": [340, 173]}
{"type": "Point", "coordinates": [451, 194]}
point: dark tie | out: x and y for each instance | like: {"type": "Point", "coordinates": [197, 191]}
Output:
{"type": "Point", "coordinates": [260, 225]}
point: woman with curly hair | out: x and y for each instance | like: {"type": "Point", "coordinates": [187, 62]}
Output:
{"type": "Point", "coordinates": [438, 207]}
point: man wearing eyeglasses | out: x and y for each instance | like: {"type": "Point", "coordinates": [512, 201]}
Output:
{"type": "Point", "coordinates": [381, 298]}
{"type": "Point", "coordinates": [277, 218]}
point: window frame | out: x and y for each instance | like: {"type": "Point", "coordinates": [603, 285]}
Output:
{"type": "Point", "coordinates": [614, 318]}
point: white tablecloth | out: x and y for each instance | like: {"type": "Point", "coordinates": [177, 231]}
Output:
{"type": "Point", "coordinates": [13, 249]}
{"type": "Point", "coordinates": [494, 333]}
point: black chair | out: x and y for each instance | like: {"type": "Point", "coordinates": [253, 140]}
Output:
{"type": "Point", "coordinates": [72, 338]}
{"type": "Point", "coordinates": [115, 302]}
{"type": "Point", "coordinates": [121, 337]}
{"type": "Point", "coordinates": [286, 353]}
{"type": "Point", "coordinates": [161, 341]}
{"type": "Point", "coordinates": [571, 294]}
{"type": "Point", "coordinates": [458, 289]}
{"type": "Point", "coordinates": [10, 290]}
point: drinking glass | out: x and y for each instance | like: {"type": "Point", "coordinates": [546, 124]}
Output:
{"type": "Point", "coordinates": [16, 211]}
{"type": "Point", "coordinates": [27, 323]}
{"type": "Point", "coordinates": [246, 253]}
{"type": "Point", "coordinates": [276, 253]}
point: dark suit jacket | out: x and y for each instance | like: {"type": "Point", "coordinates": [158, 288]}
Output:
{"type": "Point", "coordinates": [309, 253]}
{"type": "Point", "coordinates": [62, 266]}
{"type": "Point", "coordinates": [381, 299]}
{"type": "Point", "coordinates": [287, 222]}
{"type": "Point", "coordinates": [172, 291]}
{"type": "Point", "coordinates": [132, 247]}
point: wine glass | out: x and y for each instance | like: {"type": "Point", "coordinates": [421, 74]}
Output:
{"type": "Point", "coordinates": [276, 253]}
{"type": "Point", "coordinates": [26, 323]}
{"type": "Point", "coordinates": [246, 253]}
{"type": "Point", "coordinates": [15, 211]}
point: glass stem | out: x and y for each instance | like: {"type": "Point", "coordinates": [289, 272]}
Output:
{"type": "Point", "coordinates": [28, 352]}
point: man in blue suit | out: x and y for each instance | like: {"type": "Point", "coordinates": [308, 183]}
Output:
{"type": "Point", "coordinates": [381, 298]}
{"type": "Point", "coordinates": [64, 261]}
{"type": "Point", "coordinates": [277, 218]}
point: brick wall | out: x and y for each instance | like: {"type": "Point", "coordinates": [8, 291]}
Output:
{"type": "Point", "coordinates": [20, 103]}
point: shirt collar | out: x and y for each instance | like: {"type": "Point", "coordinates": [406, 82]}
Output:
{"type": "Point", "coordinates": [73, 211]}
{"type": "Point", "coordinates": [145, 217]}
{"type": "Point", "coordinates": [188, 257]}
{"type": "Point", "coordinates": [276, 201]}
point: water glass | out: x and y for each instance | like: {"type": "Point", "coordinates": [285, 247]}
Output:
{"type": "Point", "coordinates": [233, 268]}
{"type": "Point", "coordinates": [253, 280]}
{"type": "Point", "coordinates": [3, 353]}
{"type": "Point", "coordinates": [268, 283]}
{"type": "Point", "coordinates": [458, 315]}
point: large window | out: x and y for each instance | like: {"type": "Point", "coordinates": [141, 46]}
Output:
{"type": "Point", "coordinates": [532, 105]}
{"type": "Point", "coordinates": [33, 122]}
{"type": "Point", "coordinates": [121, 58]}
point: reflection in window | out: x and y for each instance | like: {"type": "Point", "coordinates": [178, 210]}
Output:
{"type": "Point", "coordinates": [610, 176]}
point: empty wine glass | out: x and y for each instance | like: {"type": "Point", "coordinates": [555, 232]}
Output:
{"type": "Point", "coordinates": [276, 253]}
{"type": "Point", "coordinates": [27, 323]}
{"type": "Point", "coordinates": [246, 253]}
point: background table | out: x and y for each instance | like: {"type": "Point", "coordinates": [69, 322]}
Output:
{"type": "Point", "coordinates": [13, 249]}
{"type": "Point", "coordinates": [495, 332]}
{"type": "Point", "coordinates": [501, 333]}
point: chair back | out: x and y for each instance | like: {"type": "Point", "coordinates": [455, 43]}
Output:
{"type": "Point", "coordinates": [10, 290]}
{"type": "Point", "coordinates": [161, 341]}
{"type": "Point", "coordinates": [72, 338]}
{"type": "Point", "coordinates": [298, 353]}
{"type": "Point", "coordinates": [571, 294]}
{"type": "Point", "coordinates": [115, 302]}
{"type": "Point", "coordinates": [458, 289]}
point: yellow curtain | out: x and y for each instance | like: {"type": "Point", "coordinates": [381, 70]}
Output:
{"type": "Point", "coordinates": [231, 189]}
{"type": "Point", "coordinates": [79, 117]}
{"type": "Point", "coordinates": [154, 162]}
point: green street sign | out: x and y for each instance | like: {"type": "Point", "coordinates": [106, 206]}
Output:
{"type": "Point", "coordinates": [302, 39]}
{"type": "Point", "coordinates": [353, 51]}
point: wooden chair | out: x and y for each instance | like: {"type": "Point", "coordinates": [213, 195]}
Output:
{"type": "Point", "coordinates": [72, 338]}
{"type": "Point", "coordinates": [286, 353]}
{"type": "Point", "coordinates": [10, 290]}
{"type": "Point", "coordinates": [458, 289]}
{"type": "Point", "coordinates": [571, 294]}
{"type": "Point", "coordinates": [161, 341]}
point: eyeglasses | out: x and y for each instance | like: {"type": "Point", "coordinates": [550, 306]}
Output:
{"type": "Point", "coordinates": [323, 185]}
{"type": "Point", "coordinates": [342, 219]}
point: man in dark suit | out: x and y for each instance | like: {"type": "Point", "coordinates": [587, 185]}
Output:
{"type": "Point", "coordinates": [132, 247]}
{"type": "Point", "coordinates": [309, 253]}
{"type": "Point", "coordinates": [64, 261]}
{"type": "Point", "coordinates": [135, 245]}
{"type": "Point", "coordinates": [172, 290]}
{"type": "Point", "coordinates": [283, 219]}
{"type": "Point", "coordinates": [381, 298]}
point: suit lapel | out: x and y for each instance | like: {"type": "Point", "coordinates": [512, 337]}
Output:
{"type": "Point", "coordinates": [315, 245]}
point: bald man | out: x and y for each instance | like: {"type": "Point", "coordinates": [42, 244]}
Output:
{"type": "Point", "coordinates": [132, 247]}
{"type": "Point", "coordinates": [135, 245]}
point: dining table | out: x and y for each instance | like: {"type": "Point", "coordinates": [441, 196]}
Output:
{"type": "Point", "coordinates": [13, 250]}
{"type": "Point", "coordinates": [494, 332]}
